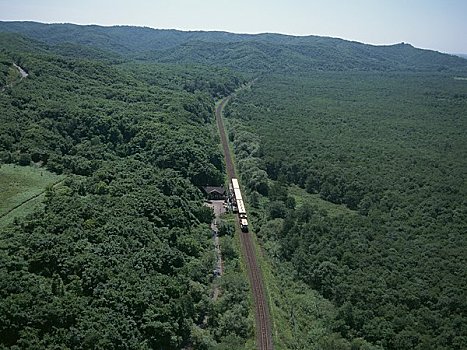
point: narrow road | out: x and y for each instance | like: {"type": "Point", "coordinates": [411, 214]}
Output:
{"type": "Point", "coordinates": [23, 74]}
{"type": "Point", "coordinates": [262, 317]}
{"type": "Point", "coordinates": [21, 71]}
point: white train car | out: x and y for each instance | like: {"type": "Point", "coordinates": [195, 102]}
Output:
{"type": "Point", "coordinates": [244, 225]}
{"type": "Point", "coordinates": [235, 183]}
{"type": "Point", "coordinates": [237, 194]}
{"type": "Point", "coordinates": [240, 208]}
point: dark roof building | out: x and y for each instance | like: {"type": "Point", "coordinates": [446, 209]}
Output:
{"type": "Point", "coordinates": [214, 192]}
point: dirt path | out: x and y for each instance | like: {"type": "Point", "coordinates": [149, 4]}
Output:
{"type": "Point", "coordinates": [262, 317]}
{"type": "Point", "coordinates": [23, 74]}
{"type": "Point", "coordinates": [218, 207]}
{"type": "Point", "coordinates": [21, 71]}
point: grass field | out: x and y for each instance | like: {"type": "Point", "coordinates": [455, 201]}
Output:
{"type": "Point", "coordinates": [301, 196]}
{"type": "Point", "coordinates": [22, 189]}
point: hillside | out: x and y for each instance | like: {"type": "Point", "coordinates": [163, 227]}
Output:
{"type": "Point", "coordinates": [120, 253]}
{"type": "Point", "coordinates": [352, 159]}
{"type": "Point", "coordinates": [391, 149]}
{"type": "Point", "coordinates": [254, 53]}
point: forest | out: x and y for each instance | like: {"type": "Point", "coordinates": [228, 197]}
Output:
{"type": "Point", "coordinates": [392, 149]}
{"type": "Point", "coordinates": [353, 158]}
{"type": "Point", "coordinates": [120, 256]}
{"type": "Point", "coordinates": [246, 53]}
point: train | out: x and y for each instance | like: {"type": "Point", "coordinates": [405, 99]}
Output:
{"type": "Point", "coordinates": [237, 204]}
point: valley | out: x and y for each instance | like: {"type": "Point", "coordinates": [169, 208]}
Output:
{"type": "Point", "coordinates": [351, 159]}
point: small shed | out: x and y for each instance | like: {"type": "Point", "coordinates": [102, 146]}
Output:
{"type": "Point", "coordinates": [213, 192]}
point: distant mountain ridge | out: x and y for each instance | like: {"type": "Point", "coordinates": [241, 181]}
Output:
{"type": "Point", "coordinates": [249, 52]}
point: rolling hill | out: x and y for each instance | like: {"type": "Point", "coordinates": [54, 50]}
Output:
{"type": "Point", "coordinates": [352, 159]}
{"type": "Point", "coordinates": [247, 52]}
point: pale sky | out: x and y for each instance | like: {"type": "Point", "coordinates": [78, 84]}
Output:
{"type": "Point", "coordinates": [433, 24]}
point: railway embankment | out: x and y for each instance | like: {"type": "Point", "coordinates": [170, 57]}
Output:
{"type": "Point", "coordinates": [255, 276]}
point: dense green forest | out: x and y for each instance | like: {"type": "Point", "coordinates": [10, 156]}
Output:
{"type": "Point", "coordinates": [392, 148]}
{"type": "Point", "coordinates": [121, 254]}
{"type": "Point", "coordinates": [353, 157]}
{"type": "Point", "coordinates": [255, 54]}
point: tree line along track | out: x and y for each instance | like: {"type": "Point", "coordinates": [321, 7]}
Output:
{"type": "Point", "coordinates": [262, 317]}
{"type": "Point", "coordinates": [225, 144]}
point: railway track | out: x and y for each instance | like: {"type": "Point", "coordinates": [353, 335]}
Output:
{"type": "Point", "coordinates": [225, 144]}
{"type": "Point", "coordinates": [262, 317]}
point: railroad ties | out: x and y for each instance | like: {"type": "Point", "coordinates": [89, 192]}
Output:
{"type": "Point", "coordinates": [262, 316]}
{"type": "Point", "coordinates": [263, 333]}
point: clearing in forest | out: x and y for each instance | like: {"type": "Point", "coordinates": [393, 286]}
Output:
{"type": "Point", "coordinates": [301, 196]}
{"type": "Point", "coordinates": [22, 189]}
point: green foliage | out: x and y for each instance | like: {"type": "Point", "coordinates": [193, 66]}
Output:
{"type": "Point", "coordinates": [19, 186]}
{"type": "Point", "coordinates": [120, 255]}
{"type": "Point", "coordinates": [112, 257]}
{"type": "Point", "coordinates": [215, 81]}
{"type": "Point", "coordinates": [100, 112]}
{"type": "Point", "coordinates": [391, 148]}
{"type": "Point", "coordinates": [225, 228]}
{"type": "Point", "coordinates": [247, 150]}
{"type": "Point", "coordinates": [276, 210]}
{"type": "Point", "coordinates": [251, 53]}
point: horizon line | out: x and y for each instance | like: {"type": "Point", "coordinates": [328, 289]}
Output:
{"type": "Point", "coordinates": [237, 33]}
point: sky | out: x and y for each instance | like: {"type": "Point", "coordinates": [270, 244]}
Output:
{"type": "Point", "coordinates": [439, 25]}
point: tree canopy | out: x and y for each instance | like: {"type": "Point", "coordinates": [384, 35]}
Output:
{"type": "Point", "coordinates": [120, 256]}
